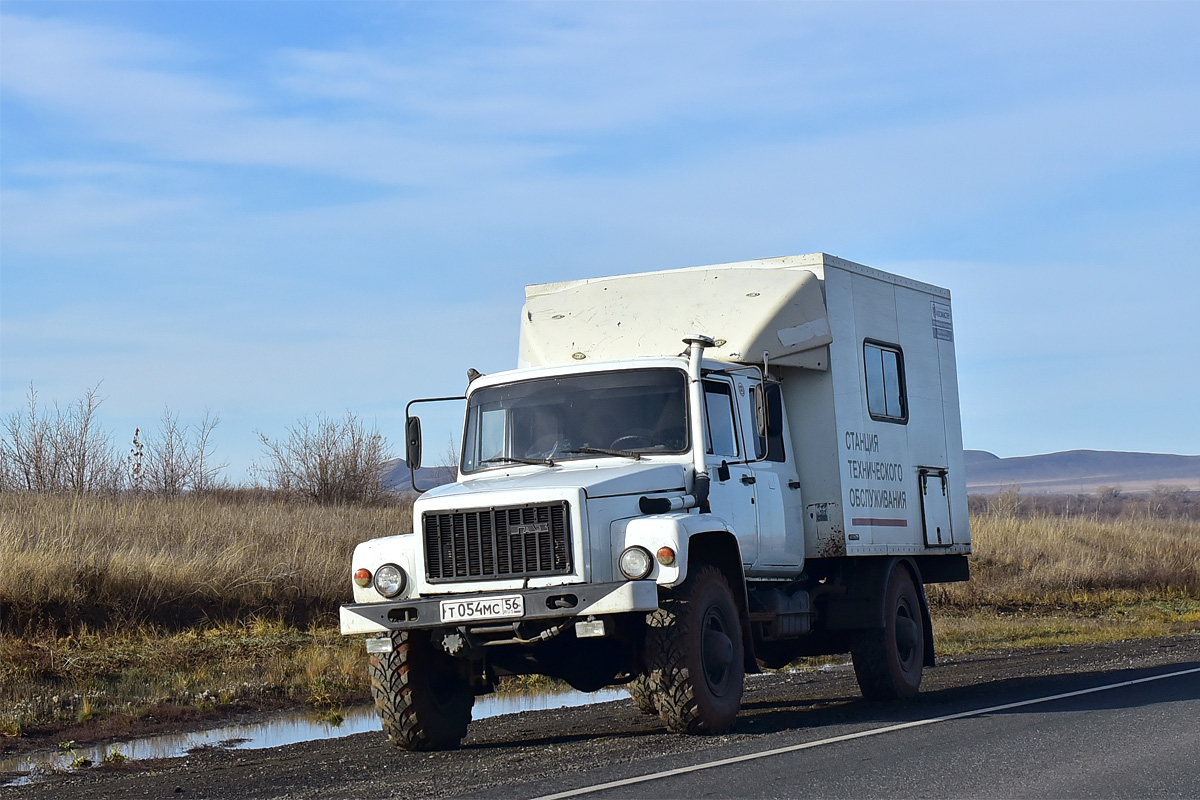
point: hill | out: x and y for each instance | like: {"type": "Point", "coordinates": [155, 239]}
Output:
{"type": "Point", "coordinates": [397, 478]}
{"type": "Point", "coordinates": [1079, 471]}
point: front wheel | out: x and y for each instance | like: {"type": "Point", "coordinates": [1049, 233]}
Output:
{"type": "Point", "coordinates": [695, 655]}
{"type": "Point", "coordinates": [888, 661]}
{"type": "Point", "coordinates": [423, 696]}
{"type": "Point", "coordinates": [641, 692]}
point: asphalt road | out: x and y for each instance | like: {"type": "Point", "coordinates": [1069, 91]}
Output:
{"type": "Point", "coordinates": [982, 727]}
{"type": "Point", "coordinates": [1122, 740]}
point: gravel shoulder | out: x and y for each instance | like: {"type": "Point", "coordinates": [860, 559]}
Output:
{"type": "Point", "coordinates": [534, 746]}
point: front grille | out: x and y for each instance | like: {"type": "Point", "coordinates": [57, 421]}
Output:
{"type": "Point", "coordinates": [513, 542]}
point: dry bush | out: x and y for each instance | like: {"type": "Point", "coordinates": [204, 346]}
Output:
{"type": "Point", "coordinates": [328, 461]}
{"type": "Point", "coordinates": [58, 450]}
{"type": "Point", "coordinates": [176, 459]}
{"type": "Point", "coordinates": [66, 450]}
{"type": "Point", "coordinates": [67, 561]}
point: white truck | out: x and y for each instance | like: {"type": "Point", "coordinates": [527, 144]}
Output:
{"type": "Point", "coordinates": [690, 474]}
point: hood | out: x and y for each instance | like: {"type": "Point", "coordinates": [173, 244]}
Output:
{"type": "Point", "coordinates": [597, 480]}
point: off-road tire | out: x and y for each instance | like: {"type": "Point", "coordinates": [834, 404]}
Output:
{"type": "Point", "coordinates": [642, 693]}
{"type": "Point", "coordinates": [888, 661]}
{"type": "Point", "coordinates": [695, 655]}
{"type": "Point", "coordinates": [423, 697]}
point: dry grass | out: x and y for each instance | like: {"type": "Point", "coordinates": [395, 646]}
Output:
{"type": "Point", "coordinates": [101, 562]}
{"type": "Point", "coordinates": [988, 629]}
{"type": "Point", "coordinates": [1046, 580]}
{"type": "Point", "coordinates": [1047, 562]}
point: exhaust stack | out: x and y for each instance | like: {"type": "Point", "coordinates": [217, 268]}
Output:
{"type": "Point", "coordinates": [696, 344]}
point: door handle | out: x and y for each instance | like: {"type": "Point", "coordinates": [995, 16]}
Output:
{"type": "Point", "coordinates": [748, 479]}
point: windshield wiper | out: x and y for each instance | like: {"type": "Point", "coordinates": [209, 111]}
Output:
{"type": "Point", "coordinates": [518, 460]}
{"type": "Point", "coordinates": [604, 451]}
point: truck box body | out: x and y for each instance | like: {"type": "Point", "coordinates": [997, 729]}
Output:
{"type": "Point", "coordinates": [871, 483]}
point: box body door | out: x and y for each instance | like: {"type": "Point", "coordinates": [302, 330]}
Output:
{"type": "Point", "coordinates": [935, 506]}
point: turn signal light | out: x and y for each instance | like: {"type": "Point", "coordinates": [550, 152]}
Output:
{"type": "Point", "coordinates": [665, 556]}
{"type": "Point", "coordinates": [362, 577]}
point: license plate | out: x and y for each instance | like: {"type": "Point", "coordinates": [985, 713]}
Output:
{"type": "Point", "coordinates": [505, 607]}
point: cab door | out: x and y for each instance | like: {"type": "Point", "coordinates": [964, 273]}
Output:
{"type": "Point", "coordinates": [779, 548]}
{"type": "Point", "coordinates": [732, 483]}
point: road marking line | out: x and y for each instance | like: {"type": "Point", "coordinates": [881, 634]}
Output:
{"type": "Point", "coordinates": [859, 735]}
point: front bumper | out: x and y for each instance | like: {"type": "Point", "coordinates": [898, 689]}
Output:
{"type": "Point", "coordinates": [581, 600]}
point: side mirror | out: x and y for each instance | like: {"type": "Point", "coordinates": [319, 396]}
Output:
{"type": "Point", "coordinates": [412, 442]}
{"type": "Point", "coordinates": [723, 472]}
{"type": "Point", "coordinates": [760, 411]}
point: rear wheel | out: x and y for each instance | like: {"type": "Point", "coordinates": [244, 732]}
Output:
{"type": "Point", "coordinates": [423, 696]}
{"type": "Point", "coordinates": [888, 661]}
{"type": "Point", "coordinates": [695, 654]}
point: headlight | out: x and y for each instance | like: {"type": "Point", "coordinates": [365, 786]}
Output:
{"type": "Point", "coordinates": [390, 580]}
{"type": "Point", "coordinates": [635, 563]}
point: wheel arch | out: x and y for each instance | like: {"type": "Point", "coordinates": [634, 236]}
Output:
{"type": "Point", "coordinates": [926, 619]}
{"type": "Point", "coordinates": [866, 581]}
{"type": "Point", "coordinates": [720, 549]}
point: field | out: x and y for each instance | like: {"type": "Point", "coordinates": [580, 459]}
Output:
{"type": "Point", "coordinates": [124, 613]}
{"type": "Point", "coordinates": [1042, 579]}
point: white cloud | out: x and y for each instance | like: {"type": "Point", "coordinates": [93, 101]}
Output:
{"type": "Point", "coordinates": [111, 77]}
{"type": "Point", "coordinates": [423, 114]}
{"type": "Point", "coordinates": [121, 89]}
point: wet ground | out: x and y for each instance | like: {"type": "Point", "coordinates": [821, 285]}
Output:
{"type": "Point", "coordinates": [514, 754]}
{"type": "Point", "coordinates": [273, 730]}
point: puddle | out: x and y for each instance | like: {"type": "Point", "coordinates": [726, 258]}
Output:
{"type": "Point", "coordinates": [281, 729]}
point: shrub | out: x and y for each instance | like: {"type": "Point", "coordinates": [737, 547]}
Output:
{"type": "Point", "coordinates": [58, 450]}
{"type": "Point", "coordinates": [171, 462]}
{"type": "Point", "coordinates": [328, 461]}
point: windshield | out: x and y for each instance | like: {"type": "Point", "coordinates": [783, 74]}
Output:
{"type": "Point", "coordinates": [618, 414]}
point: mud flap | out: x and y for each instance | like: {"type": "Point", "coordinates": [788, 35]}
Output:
{"type": "Point", "coordinates": [926, 619]}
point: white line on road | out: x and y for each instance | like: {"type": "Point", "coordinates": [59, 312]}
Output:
{"type": "Point", "coordinates": [849, 736]}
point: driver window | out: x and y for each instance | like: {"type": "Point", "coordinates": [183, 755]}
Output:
{"type": "Point", "coordinates": [718, 404]}
{"type": "Point", "coordinates": [491, 433]}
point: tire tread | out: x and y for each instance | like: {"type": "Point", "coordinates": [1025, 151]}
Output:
{"type": "Point", "coordinates": [397, 696]}
{"type": "Point", "coordinates": [669, 642]}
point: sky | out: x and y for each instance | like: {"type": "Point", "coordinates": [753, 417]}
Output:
{"type": "Point", "coordinates": [283, 209]}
